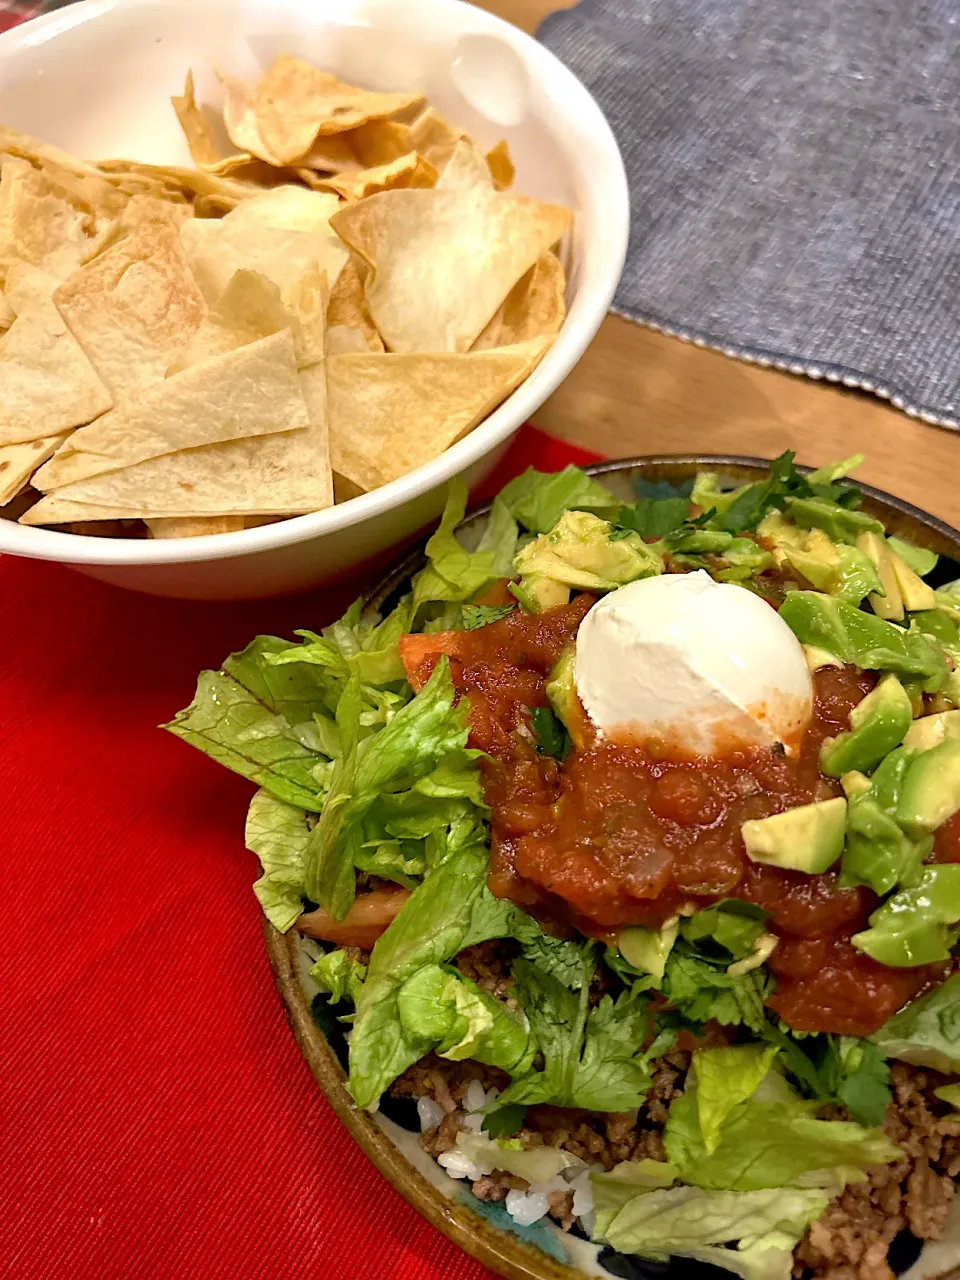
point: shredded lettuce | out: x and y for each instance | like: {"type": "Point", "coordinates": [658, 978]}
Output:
{"type": "Point", "coordinates": [538, 499]}
{"type": "Point", "coordinates": [536, 1164]}
{"type": "Point", "coordinates": [448, 1012]}
{"type": "Point", "coordinates": [725, 1078]}
{"type": "Point", "coordinates": [919, 559]}
{"type": "Point", "coordinates": [277, 833]}
{"type": "Point", "coordinates": [340, 975]}
{"type": "Point", "coordinates": [927, 1031]}
{"type": "Point", "coordinates": [770, 1139]}
{"type": "Point", "coordinates": [454, 574]}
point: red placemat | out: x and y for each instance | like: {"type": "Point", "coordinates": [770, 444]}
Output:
{"type": "Point", "coordinates": [156, 1117]}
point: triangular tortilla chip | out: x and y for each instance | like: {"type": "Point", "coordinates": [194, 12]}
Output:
{"type": "Point", "coordinates": [434, 137]}
{"type": "Point", "coordinates": [535, 307]}
{"type": "Point", "coordinates": [251, 391]}
{"type": "Point", "coordinates": [411, 170]}
{"type": "Point", "coordinates": [465, 170]}
{"type": "Point", "coordinates": [7, 313]}
{"type": "Point", "coordinates": [18, 462]}
{"type": "Point", "coordinates": [283, 474]}
{"type": "Point", "coordinates": [156, 179]}
{"type": "Point", "coordinates": [501, 165]}
{"type": "Point", "coordinates": [391, 413]}
{"type": "Point", "coordinates": [349, 324]}
{"type": "Point", "coordinates": [29, 286]}
{"type": "Point", "coordinates": [443, 261]}
{"type": "Point", "coordinates": [381, 142]}
{"type": "Point", "coordinates": [201, 527]}
{"type": "Point", "coordinates": [197, 129]}
{"type": "Point", "coordinates": [133, 307]}
{"type": "Point", "coordinates": [47, 384]}
{"type": "Point", "coordinates": [252, 308]}
{"type": "Point", "coordinates": [286, 208]}
{"type": "Point", "coordinates": [240, 121]}
{"type": "Point", "coordinates": [216, 250]}
{"type": "Point", "coordinates": [39, 224]}
{"type": "Point", "coordinates": [296, 103]}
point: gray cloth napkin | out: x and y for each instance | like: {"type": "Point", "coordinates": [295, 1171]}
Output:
{"type": "Point", "coordinates": [794, 175]}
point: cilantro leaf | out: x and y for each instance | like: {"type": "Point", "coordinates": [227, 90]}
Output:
{"type": "Point", "coordinates": [481, 615]}
{"type": "Point", "coordinates": [504, 1122]}
{"type": "Point", "coordinates": [654, 517]}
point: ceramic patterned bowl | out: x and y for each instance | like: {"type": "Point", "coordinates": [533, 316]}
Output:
{"type": "Point", "coordinates": [390, 1137]}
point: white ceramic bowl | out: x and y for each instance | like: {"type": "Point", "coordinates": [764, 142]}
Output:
{"type": "Point", "coordinates": [96, 79]}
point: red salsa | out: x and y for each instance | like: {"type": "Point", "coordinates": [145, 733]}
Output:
{"type": "Point", "coordinates": [622, 834]}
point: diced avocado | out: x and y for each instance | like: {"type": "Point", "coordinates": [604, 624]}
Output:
{"type": "Point", "coordinates": [931, 788]}
{"type": "Point", "coordinates": [913, 590]}
{"type": "Point", "coordinates": [647, 949]}
{"type": "Point", "coordinates": [817, 658]}
{"type": "Point", "coordinates": [855, 784]}
{"type": "Point", "coordinates": [840, 523]}
{"type": "Point", "coordinates": [930, 731]}
{"type": "Point", "coordinates": [583, 551]}
{"type": "Point", "coordinates": [878, 724]}
{"type": "Point", "coordinates": [890, 604]}
{"type": "Point", "coordinates": [840, 570]}
{"type": "Point", "coordinates": [562, 692]}
{"type": "Point", "coordinates": [808, 838]}
{"type": "Point", "coordinates": [536, 593]}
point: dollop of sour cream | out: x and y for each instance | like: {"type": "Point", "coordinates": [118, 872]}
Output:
{"type": "Point", "coordinates": [703, 666]}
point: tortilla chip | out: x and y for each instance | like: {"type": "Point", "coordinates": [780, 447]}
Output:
{"type": "Point", "coordinates": [296, 103]}
{"type": "Point", "coordinates": [216, 250]}
{"type": "Point", "coordinates": [443, 261]}
{"type": "Point", "coordinates": [411, 170]}
{"type": "Point", "coordinates": [391, 413]}
{"type": "Point", "coordinates": [286, 473]}
{"type": "Point", "coordinates": [288, 208]}
{"type": "Point", "coordinates": [434, 137]}
{"type": "Point", "coordinates": [200, 527]}
{"type": "Point", "coordinates": [47, 384]}
{"type": "Point", "coordinates": [252, 308]}
{"type": "Point", "coordinates": [240, 118]}
{"type": "Point", "coordinates": [29, 286]}
{"type": "Point", "coordinates": [501, 166]}
{"type": "Point", "coordinates": [535, 307]}
{"type": "Point", "coordinates": [329, 154]}
{"type": "Point", "coordinates": [251, 391]}
{"type": "Point", "coordinates": [142, 209]}
{"type": "Point", "coordinates": [381, 142]}
{"type": "Point", "coordinates": [133, 307]}
{"type": "Point", "coordinates": [197, 129]}
{"type": "Point", "coordinates": [350, 326]}
{"type": "Point", "coordinates": [39, 223]}
{"type": "Point", "coordinates": [172, 180]}
{"type": "Point", "coordinates": [7, 313]}
{"type": "Point", "coordinates": [18, 462]}
{"type": "Point", "coordinates": [466, 170]}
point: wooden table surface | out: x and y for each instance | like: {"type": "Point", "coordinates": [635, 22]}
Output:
{"type": "Point", "coordinates": [638, 391]}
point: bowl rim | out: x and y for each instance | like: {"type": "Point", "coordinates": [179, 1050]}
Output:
{"type": "Point", "coordinates": [500, 1250]}
{"type": "Point", "coordinates": [587, 314]}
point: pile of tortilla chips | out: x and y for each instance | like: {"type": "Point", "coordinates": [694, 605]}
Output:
{"type": "Point", "coordinates": [329, 304]}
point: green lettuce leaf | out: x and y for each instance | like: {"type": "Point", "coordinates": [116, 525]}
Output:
{"type": "Point", "coordinates": [837, 522]}
{"type": "Point", "coordinates": [725, 1078]}
{"type": "Point", "coordinates": [916, 925]}
{"type": "Point", "coordinates": [690, 1222]}
{"type": "Point", "coordinates": [408, 749]}
{"type": "Point", "coordinates": [538, 499]}
{"type": "Point", "coordinates": [927, 1031]}
{"type": "Point", "coordinates": [536, 1164]}
{"type": "Point", "coordinates": [277, 833]}
{"type": "Point", "coordinates": [454, 574]}
{"type": "Point", "coordinates": [771, 1140]}
{"type": "Point", "coordinates": [258, 720]}
{"type": "Point", "coordinates": [340, 975]}
{"type": "Point", "coordinates": [859, 638]}
{"type": "Point", "coordinates": [433, 925]}
{"type": "Point", "coordinates": [444, 1010]}
{"type": "Point", "coordinates": [918, 559]}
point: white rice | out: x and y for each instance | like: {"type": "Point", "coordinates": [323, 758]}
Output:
{"type": "Point", "coordinates": [430, 1113]}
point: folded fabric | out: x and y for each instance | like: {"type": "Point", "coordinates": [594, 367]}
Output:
{"type": "Point", "coordinates": [795, 180]}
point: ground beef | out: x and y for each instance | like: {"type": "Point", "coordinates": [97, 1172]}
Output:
{"type": "Point", "coordinates": [446, 1082]}
{"type": "Point", "coordinates": [488, 965]}
{"type": "Point", "coordinates": [851, 1240]}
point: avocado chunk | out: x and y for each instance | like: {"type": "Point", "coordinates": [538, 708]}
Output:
{"type": "Point", "coordinates": [914, 591]}
{"type": "Point", "coordinates": [647, 949]}
{"type": "Point", "coordinates": [878, 724]}
{"type": "Point", "coordinates": [840, 523]}
{"type": "Point", "coordinates": [889, 605]}
{"type": "Point", "coordinates": [840, 570]}
{"type": "Point", "coordinates": [561, 689]}
{"type": "Point", "coordinates": [930, 731]}
{"type": "Point", "coordinates": [808, 838]}
{"type": "Point", "coordinates": [536, 593]}
{"type": "Point", "coordinates": [583, 551]}
{"type": "Point", "coordinates": [919, 559]}
{"type": "Point", "coordinates": [931, 788]}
